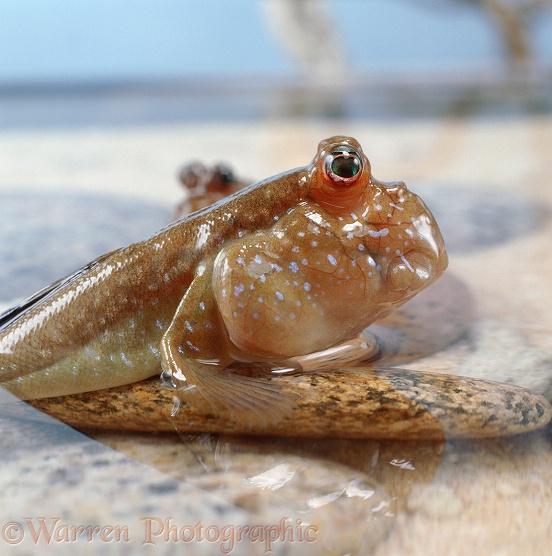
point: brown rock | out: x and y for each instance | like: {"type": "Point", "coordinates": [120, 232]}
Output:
{"type": "Point", "coordinates": [344, 403]}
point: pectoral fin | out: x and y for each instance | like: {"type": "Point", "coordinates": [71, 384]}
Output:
{"type": "Point", "coordinates": [195, 354]}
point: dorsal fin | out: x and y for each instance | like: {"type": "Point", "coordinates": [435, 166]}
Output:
{"type": "Point", "coordinates": [9, 316]}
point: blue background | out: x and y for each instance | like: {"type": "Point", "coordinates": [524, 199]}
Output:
{"type": "Point", "coordinates": [91, 40]}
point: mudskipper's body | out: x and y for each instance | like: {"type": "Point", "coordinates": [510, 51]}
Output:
{"type": "Point", "coordinates": [291, 265]}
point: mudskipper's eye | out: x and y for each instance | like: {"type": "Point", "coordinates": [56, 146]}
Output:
{"type": "Point", "coordinates": [224, 173]}
{"type": "Point", "coordinates": [344, 165]}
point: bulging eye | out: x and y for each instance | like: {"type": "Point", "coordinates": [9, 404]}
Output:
{"type": "Point", "coordinates": [224, 173]}
{"type": "Point", "coordinates": [344, 165]}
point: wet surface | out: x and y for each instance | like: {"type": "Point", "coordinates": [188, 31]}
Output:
{"type": "Point", "coordinates": [47, 235]}
{"type": "Point", "coordinates": [478, 216]}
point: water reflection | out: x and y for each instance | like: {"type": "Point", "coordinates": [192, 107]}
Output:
{"type": "Point", "coordinates": [350, 491]}
{"type": "Point", "coordinates": [361, 496]}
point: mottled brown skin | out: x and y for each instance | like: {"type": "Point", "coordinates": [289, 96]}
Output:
{"type": "Point", "coordinates": [97, 310]}
{"type": "Point", "coordinates": [176, 298]}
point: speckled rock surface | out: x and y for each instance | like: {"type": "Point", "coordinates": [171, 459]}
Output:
{"type": "Point", "coordinates": [343, 403]}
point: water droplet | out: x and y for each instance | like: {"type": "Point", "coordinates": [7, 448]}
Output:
{"type": "Point", "coordinates": [167, 380]}
{"type": "Point", "coordinates": [176, 406]}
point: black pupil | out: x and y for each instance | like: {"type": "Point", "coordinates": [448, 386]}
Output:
{"type": "Point", "coordinates": [224, 173]}
{"type": "Point", "coordinates": [345, 165]}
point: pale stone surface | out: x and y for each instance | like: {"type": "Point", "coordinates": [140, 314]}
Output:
{"type": "Point", "coordinates": [435, 501]}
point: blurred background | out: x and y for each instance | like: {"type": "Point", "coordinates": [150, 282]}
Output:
{"type": "Point", "coordinates": [176, 60]}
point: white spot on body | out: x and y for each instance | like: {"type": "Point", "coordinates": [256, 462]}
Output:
{"type": "Point", "coordinates": [203, 235]}
{"type": "Point", "coordinates": [92, 353]}
{"type": "Point", "coordinates": [238, 290]}
{"type": "Point", "coordinates": [200, 271]}
{"type": "Point", "coordinates": [378, 233]}
{"type": "Point", "coordinates": [408, 265]}
{"type": "Point", "coordinates": [331, 259]}
{"type": "Point", "coordinates": [126, 360]}
{"type": "Point", "coordinates": [191, 346]}
{"type": "Point", "coordinates": [395, 206]}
